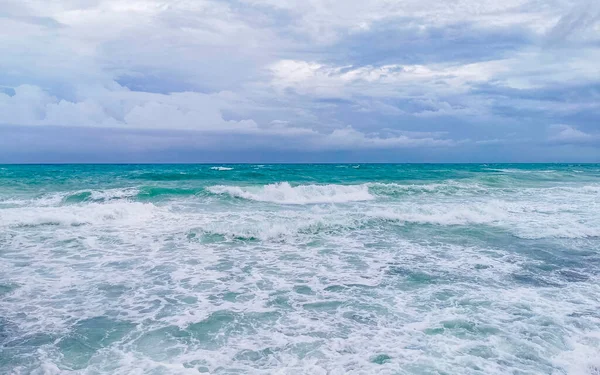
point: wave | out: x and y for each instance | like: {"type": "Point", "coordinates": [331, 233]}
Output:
{"type": "Point", "coordinates": [334, 221]}
{"type": "Point", "coordinates": [73, 197]}
{"type": "Point", "coordinates": [527, 220]}
{"type": "Point", "coordinates": [45, 200]}
{"type": "Point", "coordinates": [76, 215]}
{"type": "Point", "coordinates": [221, 168]}
{"type": "Point", "coordinates": [442, 216]}
{"type": "Point", "coordinates": [284, 193]}
{"type": "Point", "coordinates": [99, 195]}
{"type": "Point", "coordinates": [141, 193]}
{"type": "Point", "coordinates": [394, 189]}
{"type": "Point", "coordinates": [479, 188]}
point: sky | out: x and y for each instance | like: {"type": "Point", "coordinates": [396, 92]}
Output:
{"type": "Point", "coordinates": [299, 81]}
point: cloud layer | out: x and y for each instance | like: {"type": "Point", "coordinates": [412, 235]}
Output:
{"type": "Point", "coordinates": [391, 78]}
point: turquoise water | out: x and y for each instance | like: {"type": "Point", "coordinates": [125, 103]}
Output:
{"type": "Point", "coordinates": [300, 269]}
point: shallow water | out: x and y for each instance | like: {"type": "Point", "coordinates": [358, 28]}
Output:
{"type": "Point", "coordinates": [300, 269]}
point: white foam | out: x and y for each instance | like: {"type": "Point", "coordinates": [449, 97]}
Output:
{"type": "Point", "coordinates": [582, 359]}
{"type": "Point", "coordinates": [284, 193]}
{"type": "Point", "coordinates": [92, 213]}
{"type": "Point", "coordinates": [221, 168]}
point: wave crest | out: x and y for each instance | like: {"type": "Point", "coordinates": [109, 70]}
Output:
{"type": "Point", "coordinates": [123, 212]}
{"type": "Point", "coordinates": [221, 168]}
{"type": "Point", "coordinates": [284, 193]}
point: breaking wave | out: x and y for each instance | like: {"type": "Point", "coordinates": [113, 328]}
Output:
{"type": "Point", "coordinates": [284, 193]}
{"type": "Point", "coordinates": [123, 212]}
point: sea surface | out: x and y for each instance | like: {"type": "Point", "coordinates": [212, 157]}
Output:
{"type": "Point", "coordinates": [300, 269]}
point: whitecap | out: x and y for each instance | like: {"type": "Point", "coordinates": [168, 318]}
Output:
{"type": "Point", "coordinates": [284, 193]}
{"type": "Point", "coordinates": [109, 194]}
{"type": "Point", "coordinates": [221, 168]}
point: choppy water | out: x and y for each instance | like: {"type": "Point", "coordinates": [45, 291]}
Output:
{"type": "Point", "coordinates": [300, 269]}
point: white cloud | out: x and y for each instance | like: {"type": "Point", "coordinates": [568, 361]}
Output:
{"type": "Point", "coordinates": [570, 135]}
{"type": "Point", "coordinates": [120, 108]}
{"type": "Point", "coordinates": [412, 80]}
{"type": "Point", "coordinates": [526, 70]}
{"type": "Point", "coordinates": [203, 43]}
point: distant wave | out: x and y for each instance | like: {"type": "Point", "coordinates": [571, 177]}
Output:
{"type": "Point", "coordinates": [284, 193]}
{"type": "Point", "coordinates": [522, 171]}
{"type": "Point", "coordinates": [221, 168]}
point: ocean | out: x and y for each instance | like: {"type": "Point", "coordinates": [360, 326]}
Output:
{"type": "Point", "coordinates": [300, 269]}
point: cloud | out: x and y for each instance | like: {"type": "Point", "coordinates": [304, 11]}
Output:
{"type": "Point", "coordinates": [188, 111]}
{"type": "Point", "coordinates": [30, 105]}
{"type": "Point", "coordinates": [349, 138]}
{"type": "Point", "coordinates": [579, 24]}
{"type": "Point", "coordinates": [305, 75]}
{"type": "Point", "coordinates": [565, 134]}
{"type": "Point", "coordinates": [326, 21]}
{"type": "Point", "coordinates": [318, 79]}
